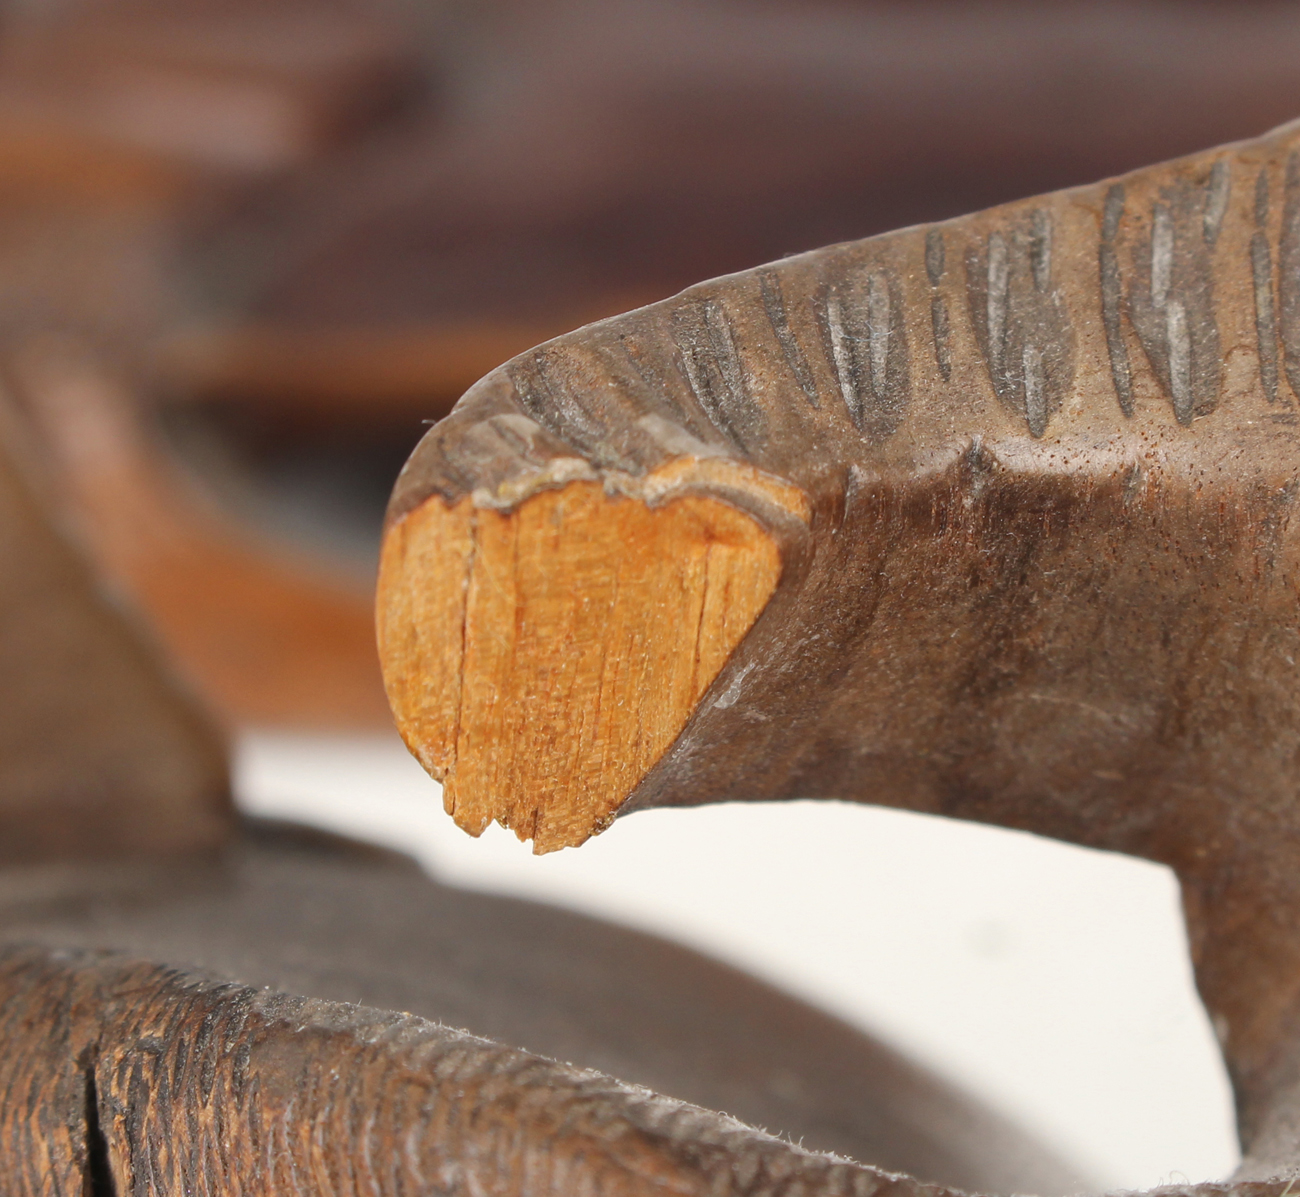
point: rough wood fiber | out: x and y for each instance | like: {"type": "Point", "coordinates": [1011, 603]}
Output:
{"type": "Point", "coordinates": [1049, 578]}
{"type": "Point", "coordinates": [124, 1077]}
{"type": "Point", "coordinates": [529, 629]}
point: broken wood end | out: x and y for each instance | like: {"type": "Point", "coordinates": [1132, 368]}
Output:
{"type": "Point", "coordinates": [540, 660]}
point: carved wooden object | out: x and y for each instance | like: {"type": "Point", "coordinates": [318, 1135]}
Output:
{"type": "Point", "coordinates": [989, 518]}
{"type": "Point", "coordinates": [179, 993]}
{"type": "Point", "coordinates": [255, 205]}
{"type": "Point", "coordinates": [1029, 476]}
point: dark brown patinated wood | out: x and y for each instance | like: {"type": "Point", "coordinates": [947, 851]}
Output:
{"type": "Point", "coordinates": [1048, 576]}
{"type": "Point", "coordinates": [305, 914]}
{"type": "Point", "coordinates": [171, 1084]}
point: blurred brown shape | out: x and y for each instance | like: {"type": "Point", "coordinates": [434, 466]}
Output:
{"type": "Point", "coordinates": [117, 125]}
{"type": "Point", "coordinates": [237, 87]}
{"type": "Point", "coordinates": [101, 753]}
{"type": "Point", "coordinates": [585, 152]}
{"type": "Point", "coordinates": [269, 638]}
{"type": "Point", "coordinates": [397, 372]}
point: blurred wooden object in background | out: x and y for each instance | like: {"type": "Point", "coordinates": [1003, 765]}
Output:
{"type": "Point", "coordinates": [268, 634]}
{"type": "Point", "coordinates": [102, 753]}
{"type": "Point", "coordinates": [119, 126]}
{"type": "Point", "coordinates": [584, 156]}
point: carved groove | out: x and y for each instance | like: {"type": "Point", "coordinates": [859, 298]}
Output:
{"type": "Point", "coordinates": [1035, 399]}
{"type": "Point", "coordinates": [942, 335]}
{"type": "Point", "coordinates": [842, 360]}
{"type": "Point", "coordinates": [1288, 264]}
{"type": "Point", "coordinates": [1171, 303]}
{"type": "Point", "coordinates": [995, 303]}
{"type": "Point", "coordinates": [1179, 347]}
{"type": "Point", "coordinates": [774, 305]}
{"type": "Point", "coordinates": [1111, 291]}
{"type": "Point", "coordinates": [1216, 201]}
{"type": "Point", "coordinates": [1040, 250]}
{"type": "Point", "coordinates": [1261, 268]}
{"type": "Point", "coordinates": [866, 341]}
{"type": "Point", "coordinates": [547, 399]}
{"type": "Point", "coordinates": [713, 370]}
{"type": "Point", "coordinates": [934, 256]}
{"type": "Point", "coordinates": [939, 324]}
{"type": "Point", "coordinates": [1020, 322]}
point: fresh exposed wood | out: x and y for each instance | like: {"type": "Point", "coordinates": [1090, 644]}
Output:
{"type": "Point", "coordinates": [584, 623]}
{"type": "Point", "coordinates": [1049, 576]}
{"type": "Point", "coordinates": [102, 753]}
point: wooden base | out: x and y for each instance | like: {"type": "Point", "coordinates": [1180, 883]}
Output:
{"type": "Point", "coordinates": [234, 1029]}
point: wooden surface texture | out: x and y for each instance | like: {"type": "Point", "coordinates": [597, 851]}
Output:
{"type": "Point", "coordinates": [520, 592]}
{"type": "Point", "coordinates": [152, 1045]}
{"type": "Point", "coordinates": [1050, 573]}
{"type": "Point", "coordinates": [172, 1085]}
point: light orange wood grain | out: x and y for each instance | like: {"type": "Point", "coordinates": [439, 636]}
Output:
{"type": "Point", "coordinates": [583, 625]}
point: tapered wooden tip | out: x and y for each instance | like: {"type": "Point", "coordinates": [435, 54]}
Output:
{"type": "Point", "coordinates": [540, 660]}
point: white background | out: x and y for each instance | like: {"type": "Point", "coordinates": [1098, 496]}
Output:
{"type": "Point", "coordinates": [1050, 980]}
